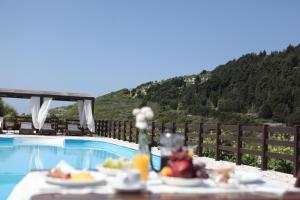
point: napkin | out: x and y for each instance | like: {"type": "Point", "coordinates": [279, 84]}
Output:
{"type": "Point", "coordinates": [65, 167]}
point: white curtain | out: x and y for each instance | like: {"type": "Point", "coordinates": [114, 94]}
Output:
{"type": "Point", "coordinates": [86, 114]}
{"type": "Point", "coordinates": [89, 115]}
{"type": "Point", "coordinates": [35, 107]}
{"type": "Point", "coordinates": [39, 114]}
{"type": "Point", "coordinates": [81, 112]}
{"type": "Point", "coordinates": [1, 122]}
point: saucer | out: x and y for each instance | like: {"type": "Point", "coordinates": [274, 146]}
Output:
{"type": "Point", "coordinates": [138, 187]}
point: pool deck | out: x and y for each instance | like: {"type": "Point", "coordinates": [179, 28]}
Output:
{"type": "Point", "coordinates": [268, 175]}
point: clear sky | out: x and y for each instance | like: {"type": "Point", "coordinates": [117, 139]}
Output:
{"type": "Point", "coordinates": [96, 46]}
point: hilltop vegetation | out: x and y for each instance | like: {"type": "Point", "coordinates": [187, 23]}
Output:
{"type": "Point", "coordinates": [7, 111]}
{"type": "Point", "coordinates": [252, 89]}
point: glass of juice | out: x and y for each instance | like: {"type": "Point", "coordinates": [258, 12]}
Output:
{"type": "Point", "coordinates": [140, 162]}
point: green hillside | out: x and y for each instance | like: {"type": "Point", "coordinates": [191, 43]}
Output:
{"type": "Point", "coordinates": [252, 89]}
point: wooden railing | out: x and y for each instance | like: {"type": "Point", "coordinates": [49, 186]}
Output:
{"type": "Point", "coordinates": [236, 140]}
{"type": "Point", "coordinates": [216, 137]}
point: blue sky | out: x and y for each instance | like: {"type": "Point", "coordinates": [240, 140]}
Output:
{"type": "Point", "coordinates": [100, 46]}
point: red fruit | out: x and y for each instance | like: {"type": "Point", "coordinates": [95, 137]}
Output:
{"type": "Point", "coordinates": [182, 168]}
{"type": "Point", "coordinates": [179, 154]}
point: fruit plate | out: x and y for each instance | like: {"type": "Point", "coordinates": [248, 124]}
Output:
{"type": "Point", "coordinates": [183, 182]}
{"type": "Point", "coordinates": [99, 179]}
{"type": "Point", "coordinates": [108, 171]}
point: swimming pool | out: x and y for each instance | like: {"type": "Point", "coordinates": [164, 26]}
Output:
{"type": "Point", "coordinates": [20, 155]}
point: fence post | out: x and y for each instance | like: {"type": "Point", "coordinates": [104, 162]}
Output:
{"type": "Point", "coordinates": [137, 135]}
{"type": "Point", "coordinates": [162, 127]}
{"type": "Point", "coordinates": [239, 145]}
{"type": "Point", "coordinates": [264, 150]}
{"type": "Point", "coordinates": [124, 130]}
{"type": "Point", "coordinates": [56, 126]}
{"type": "Point", "coordinates": [130, 131]}
{"type": "Point", "coordinates": [98, 127]}
{"type": "Point", "coordinates": [109, 128]}
{"type": "Point", "coordinates": [66, 126]}
{"type": "Point", "coordinates": [218, 142]}
{"type": "Point", "coordinates": [186, 130]}
{"type": "Point", "coordinates": [102, 128]}
{"type": "Point", "coordinates": [152, 132]}
{"type": "Point", "coordinates": [162, 130]}
{"type": "Point", "coordinates": [114, 129]}
{"type": "Point", "coordinates": [200, 140]}
{"type": "Point", "coordinates": [296, 150]}
{"type": "Point", "coordinates": [173, 127]}
{"type": "Point", "coordinates": [119, 130]}
{"type": "Point", "coordinates": [106, 128]}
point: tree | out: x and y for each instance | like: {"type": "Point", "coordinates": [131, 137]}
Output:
{"type": "Point", "coordinates": [9, 112]}
{"type": "Point", "coordinates": [294, 119]}
{"type": "Point", "coordinates": [265, 111]}
{"type": "Point", "coordinates": [228, 105]}
{"type": "Point", "coordinates": [1, 107]}
{"type": "Point", "coordinates": [280, 113]}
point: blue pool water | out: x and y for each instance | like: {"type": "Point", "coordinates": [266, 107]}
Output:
{"type": "Point", "coordinates": [20, 155]}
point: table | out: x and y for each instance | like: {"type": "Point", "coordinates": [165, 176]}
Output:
{"type": "Point", "coordinates": [34, 182]}
{"type": "Point", "coordinates": [236, 196]}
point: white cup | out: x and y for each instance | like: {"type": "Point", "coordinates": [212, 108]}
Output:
{"type": "Point", "coordinates": [129, 177]}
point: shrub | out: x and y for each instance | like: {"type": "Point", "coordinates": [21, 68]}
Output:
{"type": "Point", "coordinates": [228, 105]}
{"type": "Point", "coordinates": [265, 111]}
{"type": "Point", "coordinates": [294, 119]}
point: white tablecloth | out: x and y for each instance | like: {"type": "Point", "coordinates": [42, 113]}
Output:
{"type": "Point", "coordinates": [34, 183]}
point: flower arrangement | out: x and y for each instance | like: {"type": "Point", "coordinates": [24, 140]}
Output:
{"type": "Point", "coordinates": [142, 116]}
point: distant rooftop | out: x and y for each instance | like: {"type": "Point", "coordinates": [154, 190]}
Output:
{"type": "Point", "coordinates": [59, 96]}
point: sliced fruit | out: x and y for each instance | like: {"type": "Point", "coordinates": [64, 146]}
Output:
{"type": "Point", "coordinates": [167, 171]}
{"type": "Point", "coordinates": [82, 176]}
{"type": "Point", "coordinates": [183, 168]}
{"type": "Point", "coordinates": [191, 153]}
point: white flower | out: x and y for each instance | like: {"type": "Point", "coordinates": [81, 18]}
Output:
{"type": "Point", "coordinates": [140, 118]}
{"type": "Point", "coordinates": [141, 124]}
{"type": "Point", "coordinates": [148, 113]}
{"type": "Point", "coordinates": [136, 111]}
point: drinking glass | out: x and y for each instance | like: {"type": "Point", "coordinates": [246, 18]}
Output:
{"type": "Point", "coordinates": [168, 142]}
{"type": "Point", "coordinates": [140, 162]}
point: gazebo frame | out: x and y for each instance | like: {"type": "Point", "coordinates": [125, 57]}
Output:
{"type": "Point", "coordinates": [56, 96]}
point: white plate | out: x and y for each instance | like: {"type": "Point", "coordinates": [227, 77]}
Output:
{"type": "Point", "coordinates": [108, 171]}
{"type": "Point", "coordinates": [247, 178]}
{"type": "Point", "coordinates": [129, 188]}
{"type": "Point", "coordinates": [99, 179]}
{"type": "Point", "coordinates": [184, 182]}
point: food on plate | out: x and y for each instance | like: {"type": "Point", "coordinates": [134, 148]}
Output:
{"type": "Point", "coordinates": [58, 173]}
{"type": "Point", "coordinates": [223, 175]}
{"type": "Point", "coordinates": [120, 163]}
{"type": "Point", "coordinates": [77, 176]}
{"type": "Point", "coordinates": [181, 165]}
{"type": "Point", "coordinates": [223, 170]}
{"type": "Point", "coordinates": [223, 178]}
{"type": "Point", "coordinates": [82, 176]}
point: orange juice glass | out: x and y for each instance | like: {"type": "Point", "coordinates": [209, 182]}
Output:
{"type": "Point", "coordinates": [141, 162]}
